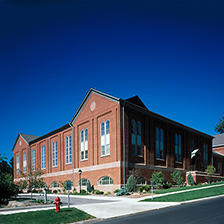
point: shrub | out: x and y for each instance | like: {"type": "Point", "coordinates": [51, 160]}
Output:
{"type": "Point", "coordinates": [97, 192]}
{"type": "Point", "coordinates": [34, 191]}
{"type": "Point", "coordinates": [108, 192]}
{"type": "Point", "coordinates": [83, 191]}
{"type": "Point", "coordinates": [89, 188]}
{"type": "Point", "coordinates": [158, 178]}
{"type": "Point", "coordinates": [123, 191]}
{"type": "Point", "coordinates": [131, 183]}
{"type": "Point", "coordinates": [144, 188]}
{"type": "Point", "coordinates": [210, 171]}
{"type": "Point", "coordinates": [55, 191]}
{"type": "Point", "coordinates": [190, 179]}
{"type": "Point", "coordinates": [116, 191]}
{"type": "Point", "coordinates": [170, 185]}
{"type": "Point", "coordinates": [177, 178]}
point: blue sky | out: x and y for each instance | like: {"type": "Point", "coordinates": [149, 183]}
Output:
{"type": "Point", "coordinates": [170, 54]}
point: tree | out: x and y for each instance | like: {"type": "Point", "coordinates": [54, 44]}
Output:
{"type": "Point", "coordinates": [7, 186]}
{"type": "Point", "coordinates": [190, 179]}
{"type": "Point", "coordinates": [219, 128]}
{"type": "Point", "coordinates": [176, 177]}
{"type": "Point", "coordinates": [131, 183]}
{"type": "Point", "coordinates": [158, 179]}
{"type": "Point", "coordinates": [32, 179]}
{"type": "Point", "coordinates": [210, 171]}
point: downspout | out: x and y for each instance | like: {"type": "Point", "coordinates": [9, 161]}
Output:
{"type": "Point", "coordinates": [72, 156]}
{"type": "Point", "coordinates": [123, 146]}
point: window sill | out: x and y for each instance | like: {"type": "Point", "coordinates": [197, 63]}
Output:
{"type": "Point", "coordinates": [178, 162]}
{"type": "Point", "coordinates": [160, 159]}
{"type": "Point", "coordinates": [68, 163]}
{"type": "Point", "coordinates": [104, 155]}
{"type": "Point", "coordinates": [83, 160]}
{"type": "Point", "coordinates": [136, 155]}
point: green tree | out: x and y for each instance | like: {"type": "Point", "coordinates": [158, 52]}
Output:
{"type": "Point", "coordinates": [158, 178]}
{"type": "Point", "coordinates": [33, 179]}
{"type": "Point", "coordinates": [190, 179]}
{"type": "Point", "coordinates": [210, 171]}
{"type": "Point", "coordinates": [7, 186]}
{"type": "Point", "coordinates": [219, 128]}
{"type": "Point", "coordinates": [131, 183]}
{"type": "Point", "coordinates": [177, 178]}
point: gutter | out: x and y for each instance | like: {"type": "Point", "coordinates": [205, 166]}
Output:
{"type": "Point", "coordinates": [72, 155]}
{"type": "Point", "coordinates": [123, 144]}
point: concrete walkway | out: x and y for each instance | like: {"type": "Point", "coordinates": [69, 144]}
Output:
{"type": "Point", "coordinates": [111, 206]}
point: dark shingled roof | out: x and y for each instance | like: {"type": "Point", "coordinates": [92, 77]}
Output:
{"type": "Point", "coordinates": [29, 138]}
{"type": "Point", "coordinates": [218, 140]}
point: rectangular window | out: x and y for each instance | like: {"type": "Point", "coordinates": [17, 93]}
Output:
{"type": "Point", "coordinates": [43, 157]}
{"type": "Point", "coordinates": [24, 162]}
{"type": "Point", "coordinates": [159, 144]}
{"type": "Point", "coordinates": [17, 165]}
{"type": "Point", "coordinates": [220, 167]}
{"type": "Point", "coordinates": [68, 149]}
{"type": "Point", "coordinates": [205, 156]}
{"type": "Point", "coordinates": [34, 159]}
{"type": "Point", "coordinates": [54, 154]}
{"type": "Point", "coordinates": [105, 138]}
{"type": "Point", "coordinates": [178, 150]}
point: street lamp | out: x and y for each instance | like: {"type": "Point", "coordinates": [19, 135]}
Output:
{"type": "Point", "coordinates": [80, 172]}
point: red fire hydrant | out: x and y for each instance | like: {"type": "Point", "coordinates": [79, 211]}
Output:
{"type": "Point", "coordinates": [58, 203]}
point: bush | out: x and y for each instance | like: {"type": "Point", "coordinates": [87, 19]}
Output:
{"type": "Point", "coordinates": [34, 191]}
{"type": "Point", "coordinates": [131, 183]}
{"type": "Point", "coordinates": [97, 192]}
{"type": "Point", "coordinates": [170, 185]}
{"type": "Point", "coordinates": [177, 178]}
{"type": "Point", "coordinates": [123, 191]}
{"type": "Point", "coordinates": [108, 192]}
{"type": "Point", "coordinates": [55, 191]}
{"type": "Point", "coordinates": [89, 188]}
{"type": "Point", "coordinates": [190, 179]}
{"type": "Point", "coordinates": [116, 191]}
{"type": "Point", "coordinates": [158, 178]}
{"type": "Point", "coordinates": [83, 191]}
{"type": "Point", "coordinates": [144, 188]}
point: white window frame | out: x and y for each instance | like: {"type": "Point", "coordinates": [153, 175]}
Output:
{"type": "Point", "coordinates": [84, 182]}
{"type": "Point", "coordinates": [105, 137]}
{"type": "Point", "coordinates": [54, 154]}
{"type": "Point", "coordinates": [105, 181]}
{"type": "Point", "coordinates": [34, 159]}
{"type": "Point", "coordinates": [24, 163]}
{"type": "Point", "coordinates": [17, 165]}
{"type": "Point", "coordinates": [136, 138]}
{"type": "Point", "coordinates": [43, 157]}
{"type": "Point", "coordinates": [68, 151]}
{"type": "Point", "coordinates": [84, 144]}
{"type": "Point", "coordinates": [54, 184]}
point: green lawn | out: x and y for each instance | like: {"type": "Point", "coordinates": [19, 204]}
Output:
{"type": "Point", "coordinates": [163, 191]}
{"type": "Point", "coordinates": [190, 195]}
{"type": "Point", "coordinates": [47, 216]}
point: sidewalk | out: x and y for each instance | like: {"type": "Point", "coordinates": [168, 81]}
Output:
{"type": "Point", "coordinates": [112, 206]}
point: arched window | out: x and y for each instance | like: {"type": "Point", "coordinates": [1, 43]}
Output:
{"type": "Point", "coordinates": [84, 182]}
{"type": "Point", "coordinates": [68, 151]}
{"type": "Point", "coordinates": [105, 138]}
{"type": "Point", "coordinates": [205, 154]}
{"type": "Point", "coordinates": [178, 156]}
{"type": "Point", "coordinates": [141, 181]}
{"type": "Point", "coordinates": [136, 138]}
{"type": "Point", "coordinates": [159, 144]}
{"type": "Point", "coordinates": [105, 181]}
{"type": "Point", "coordinates": [84, 144]}
{"type": "Point", "coordinates": [54, 184]}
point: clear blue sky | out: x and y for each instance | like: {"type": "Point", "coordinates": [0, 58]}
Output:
{"type": "Point", "coordinates": [170, 54]}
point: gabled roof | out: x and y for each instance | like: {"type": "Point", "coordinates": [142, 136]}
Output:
{"type": "Point", "coordinates": [137, 101]}
{"type": "Point", "coordinates": [218, 153]}
{"type": "Point", "coordinates": [91, 90]}
{"type": "Point", "coordinates": [27, 139]}
{"type": "Point", "coordinates": [218, 140]}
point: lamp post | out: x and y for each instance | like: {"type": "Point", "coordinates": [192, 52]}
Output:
{"type": "Point", "coordinates": [80, 172]}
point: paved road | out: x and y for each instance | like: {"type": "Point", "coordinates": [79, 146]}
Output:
{"type": "Point", "coordinates": [202, 212]}
{"type": "Point", "coordinates": [64, 199]}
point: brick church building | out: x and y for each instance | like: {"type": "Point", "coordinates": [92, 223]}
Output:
{"type": "Point", "coordinates": [105, 139]}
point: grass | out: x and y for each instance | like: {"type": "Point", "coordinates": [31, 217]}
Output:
{"type": "Point", "coordinates": [47, 216]}
{"type": "Point", "coordinates": [190, 195]}
{"type": "Point", "coordinates": [163, 191]}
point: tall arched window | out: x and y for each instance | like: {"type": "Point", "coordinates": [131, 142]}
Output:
{"type": "Point", "coordinates": [205, 154]}
{"type": "Point", "coordinates": [159, 144]}
{"type": "Point", "coordinates": [54, 154]}
{"type": "Point", "coordinates": [68, 151]}
{"type": "Point", "coordinates": [178, 153]}
{"type": "Point", "coordinates": [136, 138]}
{"type": "Point", "coordinates": [105, 138]}
{"type": "Point", "coordinates": [84, 144]}
{"type": "Point", "coordinates": [54, 184]}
